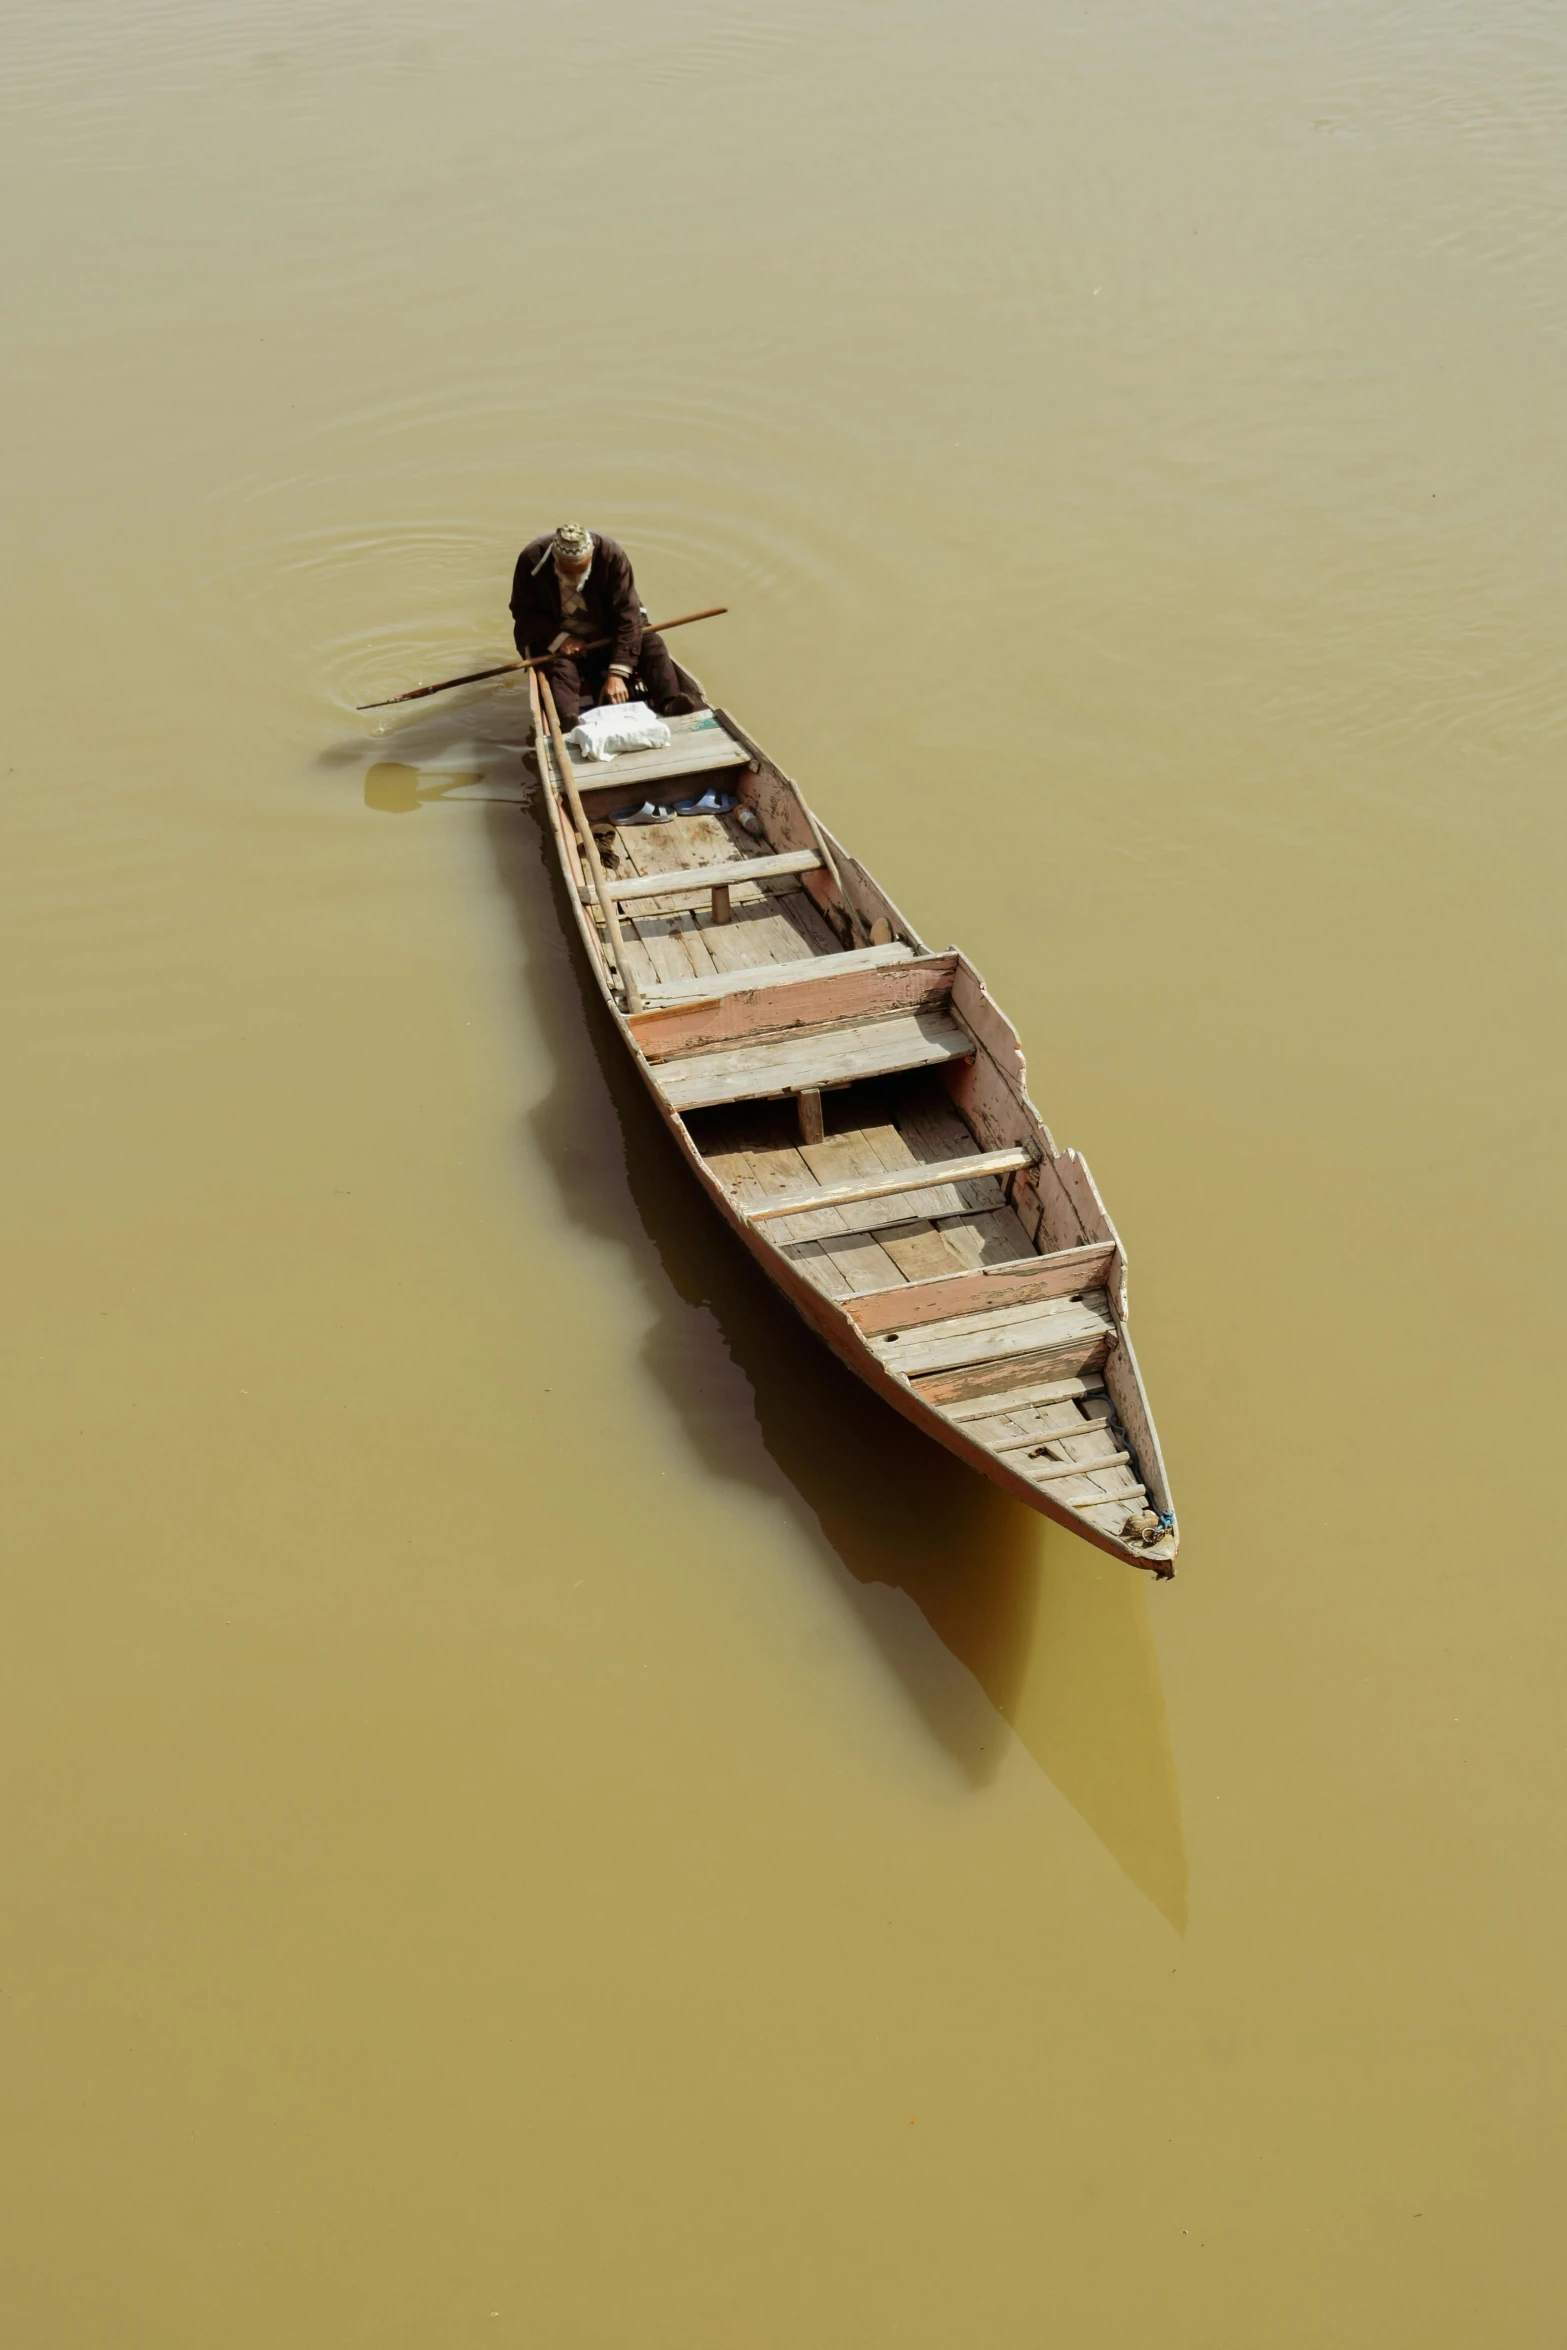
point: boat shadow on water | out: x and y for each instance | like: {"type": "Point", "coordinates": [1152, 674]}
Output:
{"type": "Point", "coordinates": [1030, 1624]}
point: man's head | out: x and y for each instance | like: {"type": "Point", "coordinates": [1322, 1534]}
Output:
{"type": "Point", "coordinates": [573, 549]}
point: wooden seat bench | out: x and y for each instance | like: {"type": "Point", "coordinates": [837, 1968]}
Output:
{"type": "Point", "coordinates": [712, 881]}
{"type": "Point", "coordinates": [968, 1340]}
{"type": "Point", "coordinates": [808, 1064]}
{"type": "Point", "coordinates": [699, 745]}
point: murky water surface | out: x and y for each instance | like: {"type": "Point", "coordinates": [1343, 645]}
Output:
{"type": "Point", "coordinates": [534, 1812]}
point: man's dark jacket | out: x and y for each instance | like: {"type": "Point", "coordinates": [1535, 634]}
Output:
{"type": "Point", "coordinates": [610, 596]}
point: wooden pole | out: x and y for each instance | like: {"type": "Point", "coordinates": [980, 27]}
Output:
{"type": "Point", "coordinates": [1054, 1472]}
{"type": "Point", "coordinates": [932, 1175]}
{"type": "Point", "coordinates": [590, 853]}
{"type": "Point", "coordinates": [535, 661]}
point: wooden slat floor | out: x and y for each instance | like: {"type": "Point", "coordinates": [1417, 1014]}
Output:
{"type": "Point", "coordinates": [878, 1244]}
{"type": "Point", "coordinates": [918, 1236]}
{"type": "Point", "coordinates": [774, 922]}
{"type": "Point", "coordinates": [1068, 1430]}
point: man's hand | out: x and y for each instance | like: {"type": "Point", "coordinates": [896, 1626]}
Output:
{"type": "Point", "coordinates": [615, 688]}
{"type": "Point", "coordinates": [571, 646]}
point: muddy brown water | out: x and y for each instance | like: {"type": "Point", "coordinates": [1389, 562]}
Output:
{"type": "Point", "coordinates": [533, 1810]}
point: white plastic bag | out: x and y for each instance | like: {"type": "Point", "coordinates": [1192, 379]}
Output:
{"type": "Point", "coordinates": [617, 726]}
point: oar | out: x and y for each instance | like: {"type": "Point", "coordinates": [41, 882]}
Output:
{"type": "Point", "coordinates": [535, 661]}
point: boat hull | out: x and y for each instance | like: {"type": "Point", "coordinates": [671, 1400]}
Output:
{"type": "Point", "coordinates": [988, 1089]}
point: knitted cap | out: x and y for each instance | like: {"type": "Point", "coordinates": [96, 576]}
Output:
{"type": "Point", "coordinates": [574, 541]}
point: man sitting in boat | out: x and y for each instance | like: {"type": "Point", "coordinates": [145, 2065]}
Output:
{"type": "Point", "coordinates": [573, 596]}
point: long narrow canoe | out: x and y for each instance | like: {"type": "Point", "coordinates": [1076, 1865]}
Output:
{"type": "Point", "coordinates": [854, 1106]}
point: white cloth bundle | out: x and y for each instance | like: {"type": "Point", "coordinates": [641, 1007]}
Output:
{"type": "Point", "coordinates": [617, 726]}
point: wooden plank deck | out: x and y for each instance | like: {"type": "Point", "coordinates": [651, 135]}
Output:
{"type": "Point", "coordinates": [683, 948]}
{"type": "Point", "coordinates": [1060, 1433]}
{"type": "Point", "coordinates": [756, 1150]}
{"type": "Point", "coordinates": [1039, 1430]}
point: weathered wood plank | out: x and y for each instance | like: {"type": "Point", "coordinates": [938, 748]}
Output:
{"type": "Point", "coordinates": [834, 1056]}
{"type": "Point", "coordinates": [953, 1328]}
{"type": "Point", "coordinates": [1035, 1279]}
{"type": "Point", "coordinates": [740, 1169]}
{"type": "Point", "coordinates": [1018, 1439]}
{"type": "Point", "coordinates": [748, 943]}
{"type": "Point", "coordinates": [895, 1146]}
{"type": "Point", "coordinates": [1126, 1391]}
{"type": "Point", "coordinates": [839, 1157]}
{"type": "Point", "coordinates": [681, 880]}
{"type": "Point", "coordinates": [832, 1160]}
{"type": "Point", "coordinates": [886, 1215]}
{"type": "Point", "coordinates": [880, 1216]}
{"type": "Point", "coordinates": [971, 1339]}
{"type": "Point", "coordinates": [902, 1224]}
{"type": "Point", "coordinates": [785, 974]}
{"type": "Point", "coordinates": [672, 949]}
{"type": "Point", "coordinates": [828, 1000]}
{"type": "Point", "coordinates": [1074, 1357]}
{"type": "Point", "coordinates": [643, 967]}
{"type": "Point", "coordinates": [667, 952]}
{"type": "Point", "coordinates": [1050, 1472]}
{"type": "Point", "coordinates": [694, 751]}
{"type": "Point", "coordinates": [1129, 1491]}
{"type": "Point", "coordinates": [981, 1226]}
{"type": "Point", "coordinates": [921, 1252]}
{"type": "Point", "coordinates": [857, 1259]}
{"type": "Point", "coordinates": [759, 935]}
{"type": "Point", "coordinates": [933, 1129]}
{"type": "Point", "coordinates": [994, 1416]}
{"type": "Point", "coordinates": [914, 1177]}
{"type": "Point", "coordinates": [1084, 1215]}
{"type": "Point", "coordinates": [1116, 1508]}
{"type": "Point", "coordinates": [754, 939]}
{"type": "Point", "coordinates": [984, 1018]}
{"type": "Point", "coordinates": [1089, 1496]}
{"type": "Point", "coordinates": [799, 910]}
{"type": "Point", "coordinates": [677, 844]}
{"type": "Point", "coordinates": [991, 1237]}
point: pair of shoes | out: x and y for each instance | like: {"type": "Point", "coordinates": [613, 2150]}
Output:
{"type": "Point", "coordinates": [711, 802]}
{"type": "Point", "coordinates": [649, 813]}
{"type": "Point", "coordinates": [682, 706]}
{"type": "Point", "coordinates": [708, 803]}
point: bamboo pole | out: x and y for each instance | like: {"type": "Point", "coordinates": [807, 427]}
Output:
{"type": "Point", "coordinates": [535, 661]}
{"type": "Point", "coordinates": [590, 854]}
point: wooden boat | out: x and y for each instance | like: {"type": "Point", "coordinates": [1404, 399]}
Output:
{"type": "Point", "coordinates": [854, 1106]}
